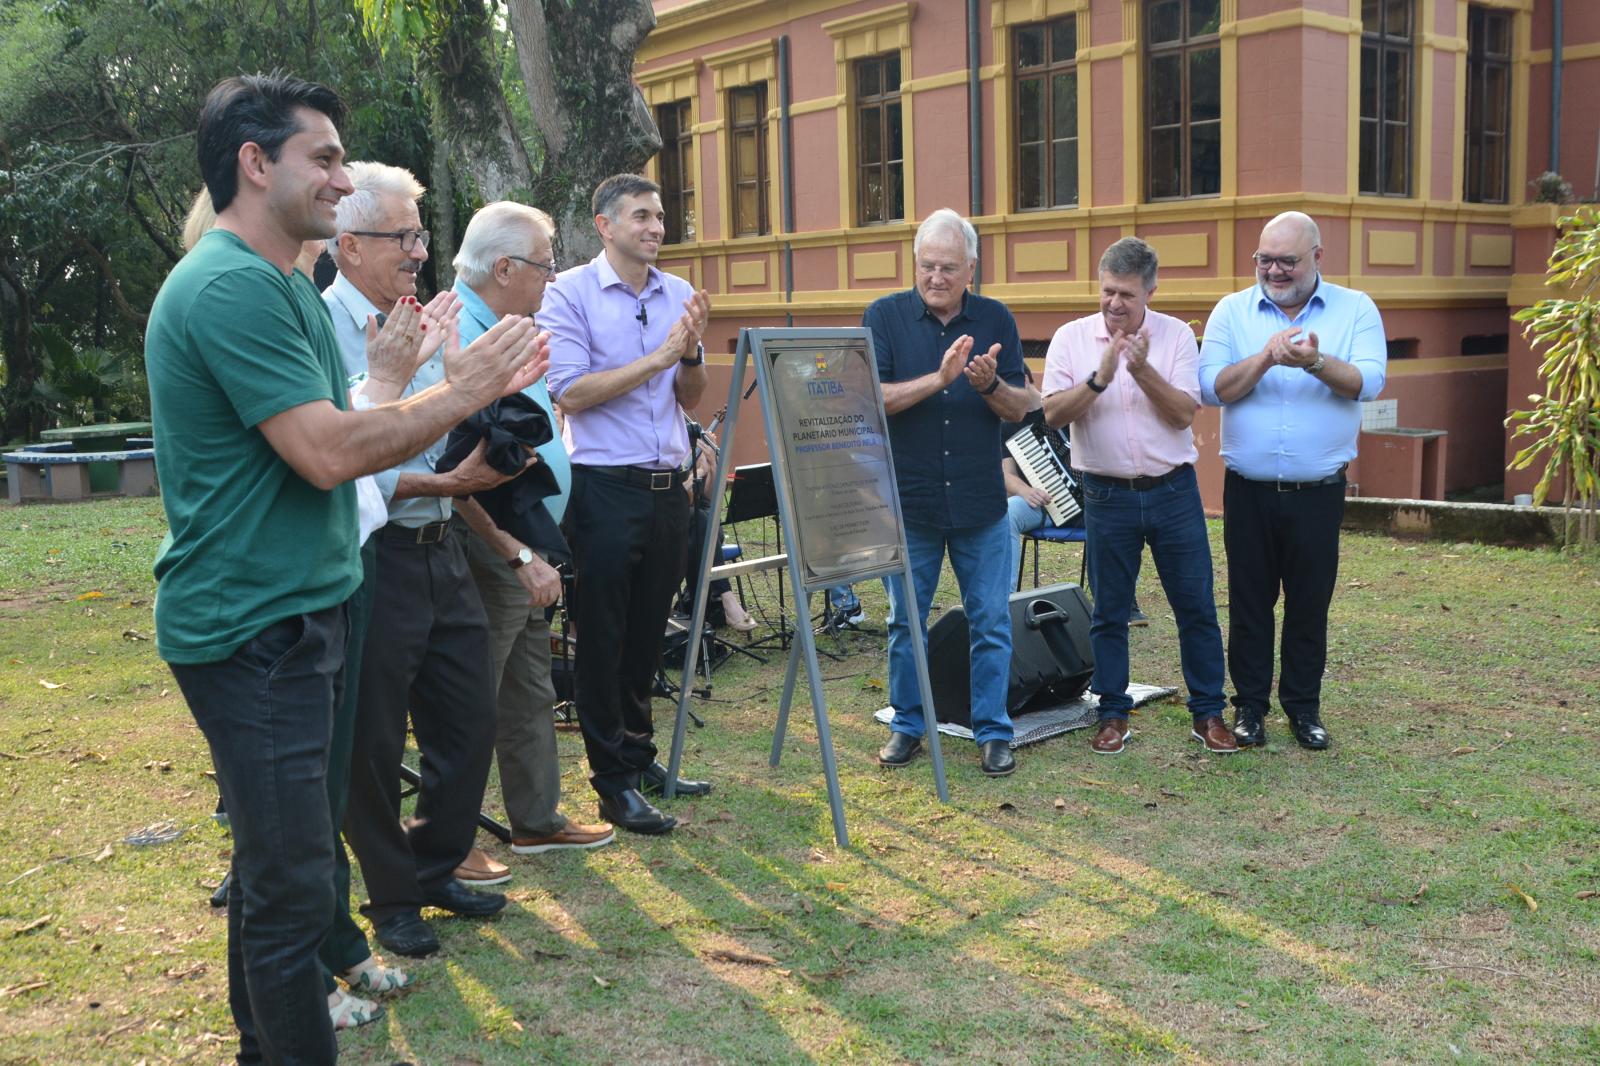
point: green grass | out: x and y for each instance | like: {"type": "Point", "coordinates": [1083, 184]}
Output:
{"type": "Point", "coordinates": [1355, 906]}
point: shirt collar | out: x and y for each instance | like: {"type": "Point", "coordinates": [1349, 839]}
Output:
{"type": "Point", "coordinates": [357, 306]}
{"type": "Point", "coordinates": [474, 305]}
{"type": "Point", "coordinates": [609, 276]}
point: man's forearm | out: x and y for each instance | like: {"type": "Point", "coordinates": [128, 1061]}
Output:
{"type": "Point", "coordinates": [1175, 406]}
{"type": "Point", "coordinates": [690, 385]}
{"type": "Point", "coordinates": [1344, 378]}
{"type": "Point", "coordinates": [499, 541]}
{"type": "Point", "coordinates": [1010, 403]}
{"type": "Point", "coordinates": [598, 386]}
{"type": "Point", "coordinates": [1237, 380]}
{"type": "Point", "coordinates": [899, 395]}
{"type": "Point", "coordinates": [1068, 405]}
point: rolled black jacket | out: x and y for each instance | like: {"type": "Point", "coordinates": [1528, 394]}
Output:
{"type": "Point", "coordinates": [510, 426]}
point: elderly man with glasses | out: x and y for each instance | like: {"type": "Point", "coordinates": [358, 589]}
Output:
{"type": "Point", "coordinates": [1289, 360]}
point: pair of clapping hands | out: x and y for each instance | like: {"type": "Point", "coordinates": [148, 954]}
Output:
{"type": "Point", "coordinates": [1285, 349]}
{"type": "Point", "coordinates": [508, 358]}
{"type": "Point", "coordinates": [959, 361]}
{"type": "Point", "coordinates": [1130, 349]}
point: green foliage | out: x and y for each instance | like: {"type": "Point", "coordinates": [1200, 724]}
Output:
{"type": "Point", "coordinates": [1565, 420]}
{"type": "Point", "coordinates": [86, 385]}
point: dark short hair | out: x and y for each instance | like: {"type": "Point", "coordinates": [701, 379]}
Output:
{"type": "Point", "coordinates": [1130, 255]}
{"type": "Point", "coordinates": [610, 192]}
{"type": "Point", "coordinates": [253, 108]}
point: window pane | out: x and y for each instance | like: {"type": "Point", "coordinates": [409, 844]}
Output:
{"type": "Point", "coordinates": [748, 210]}
{"type": "Point", "coordinates": [1064, 108]}
{"type": "Point", "coordinates": [1396, 159]}
{"type": "Point", "coordinates": [1496, 92]}
{"type": "Point", "coordinates": [744, 111]}
{"type": "Point", "coordinates": [1064, 40]}
{"type": "Point", "coordinates": [1205, 16]}
{"type": "Point", "coordinates": [891, 72]}
{"type": "Point", "coordinates": [1474, 162]}
{"type": "Point", "coordinates": [744, 157]}
{"type": "Point", "coordinates": [1371, 16]}
{"type": "Point", "coordinates": [1030, 176]}
{"type": "Point", "coordinates": [1030, 110]}
{"type": "Point", "coordinates": [872, 196]}
{"type": "Point", "coordinates": [1398, 22]}
{"type": "Point", "coordinates": [1166, 178]}
{"type": "Point", "coordinates": [1367, 170]}
{"type": "Point", "coordinates": [1165, 86]}
{"type": "Point", "coordinates": [1497, 27]}
{"type": "Point", "coordinates": [1205, 159]}
{"type": "Point", "coordinates": [1494, 169]}
{"type": "Point", "coordinates": [1030, 46]}
{"type": "Point", "coordinates": [1205, 85]}
{"type": "Point", "coordinates": [896, 193]}
{"type": "Point", "coordinates": [867, 83]}
{"type": "Point", "coordinates": [1066, 163]}
{"type": "Point", "coordinates": [1396, 84]}
{"type": "Point", "coordinates": [871, 146]}
{"type": "Point", "coordinates": [1369, 82]}
{"type": "Point", "coordinates": [896, 141]}
{"type": "Point", "coordinates": [1166, 21]}
{"type": "Point", "coordinates": [686, 164]}
{"type": "Point", "coordinates": [688, 216]}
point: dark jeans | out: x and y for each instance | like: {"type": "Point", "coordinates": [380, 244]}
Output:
{"type": "Point", "coordinates": [1287, 540]}
{"type": "Point", "coordinates": [427, 650]}
{"type": "Point", "coordinates": [267, 713]}
{"type": "Point", "coordinates": [628, 544]}
{"type": "Point", "coordinates": [1119, 522]}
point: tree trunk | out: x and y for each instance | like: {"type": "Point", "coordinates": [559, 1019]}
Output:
{"type": "Point", "coordinates": [22, 365]}
{"type": "Point", "coordinates": [592, 118]}
{"type": "Point", "coordinates": [443, 252]}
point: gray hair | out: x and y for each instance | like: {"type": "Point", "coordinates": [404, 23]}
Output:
{"type": "Point", "coordinates": [608, 195]}
{"type": "Point", "coordinates": [363, 208]}
{"type": "Point", "coordinates": [498, 229]}
{"type": "Point", "coordinates": [1128, 256]}
{"type": "Point", "coordinates": [1305, 222]}
{"type": "Point", "coordinates": [945, 220]}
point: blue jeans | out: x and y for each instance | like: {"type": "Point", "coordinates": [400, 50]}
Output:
{"type": "Point", "coordinates": [1120, 521]}
{"type": "Point", "coordinates": [974, 552]}
{"type": "Point", "coordinates": [267, 714]}
{"type": "Point", "coordinates": [1023, 519]}
{"type": "Point", "coordinates": [843, 599]}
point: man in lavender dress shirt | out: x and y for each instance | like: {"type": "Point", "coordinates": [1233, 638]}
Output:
{"type": "Point", "coordinates": [1128, 381]}
{"type": "Point", "coordinates": [625, 354]}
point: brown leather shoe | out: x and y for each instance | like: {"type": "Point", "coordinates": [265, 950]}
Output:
{"type": "Point", "coordinates": [1112, 737]}
{"type": "Point", "coordinates": [1213, 732]}
{"type": "Point", "coordinates": [572, 836]}
{"type": "Point", "coordinates": [478, 869]}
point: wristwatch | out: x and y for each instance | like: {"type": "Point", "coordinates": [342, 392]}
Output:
{"type": "Point", "coordinates": [1093, 385]}
{"type": "Point", "coordinates": [521, 559]}
{"type": "Point", "coordinates": [699, 356]}
{"type": "Point", "coordinates": [1322, 361]}
{"type": "Point", "coordinates": [995, 384]}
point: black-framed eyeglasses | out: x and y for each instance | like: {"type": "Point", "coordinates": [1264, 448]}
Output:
{"type": "Point", "coordinates": [548, 268]}
{"type": "Point", "coordinates": [1287, 262]}
{"type": "Point", "coordinates": [408, 238]}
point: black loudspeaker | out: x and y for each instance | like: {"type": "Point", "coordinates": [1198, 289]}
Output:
{"type": "Point", "coordinates": [1051, 660]}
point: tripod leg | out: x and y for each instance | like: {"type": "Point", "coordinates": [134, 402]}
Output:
{"type": "Point", "coordinates": [788, 698]}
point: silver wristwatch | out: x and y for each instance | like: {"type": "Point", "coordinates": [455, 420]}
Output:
{"type": "Point", "coordinates": [521, 559]}
{"type": "Point", "coordinates": [1321, 362]}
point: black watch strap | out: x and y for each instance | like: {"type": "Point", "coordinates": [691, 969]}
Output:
{"type": "Point", "coordinates": [995, 384]}
{"type": "Point", "coordinates": [1094, 386]}
{"type": "Point", "coordinates": [699, 357]}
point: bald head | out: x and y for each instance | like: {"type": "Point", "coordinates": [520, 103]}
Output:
{"type": "Point", "coordinates": [1296, 225]}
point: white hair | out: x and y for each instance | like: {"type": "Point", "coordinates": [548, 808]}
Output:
{"type": "Point", "coordinates": [363, 209]}
{"type": "Point", "coordinates": [502, 228]}
{"type": "Point", "coordinates": [945, 220]}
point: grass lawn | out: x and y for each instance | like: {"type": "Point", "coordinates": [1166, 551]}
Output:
{"type": "Point", "coordinates": [1424, 892]}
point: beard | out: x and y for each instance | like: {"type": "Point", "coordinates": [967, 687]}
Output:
{"type": "Point", "coordinates": [1295, 294]}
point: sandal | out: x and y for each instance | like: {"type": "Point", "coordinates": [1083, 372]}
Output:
{"type": "Point", "coordinates": [375, 980]}
{"type": "Point", "coordinates": [347, 1011]}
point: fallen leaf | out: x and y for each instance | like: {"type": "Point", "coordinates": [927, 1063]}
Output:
{"type": "Point", "coordinates": [133, 635]}
{"type": "Point", "coordinates": [1007, 806]}
{"type": "Point", "coordinates": [1532, 903]}
{"type": "Point", "coordinates": [105, 853]}
{"type": "Point", "coordinates": [178, 973]}
{"type": "Point", "coordinates": [1463, 751]}
{"type": "Point", "coordinates": [17, 990]}
{"type": "Point", "coordinates": [161, 765]}
{"type": "Point", "coordinates": [836, 886]}
{"type": "Point", "coordinates": [1060, 804]}
{"type": "Point", "coordinates": [746, 958]}
{"type": "Point", "coordinates": [1588, 893]}
{"type": "Point", "coordinates": [51, 684]}
{"type": "Point", "coordinates": [37, 923]}
{"type": "Point", "coordinates": [93, 596]}
{"type": "Point", "coordinates": [601, 981]}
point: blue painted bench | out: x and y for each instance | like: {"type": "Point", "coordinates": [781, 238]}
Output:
{"type": "Point", "coordinates": [55, 472]}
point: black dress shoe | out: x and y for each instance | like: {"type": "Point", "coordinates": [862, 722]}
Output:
{"type": "Point", "coordinates": [901, 749]}
{"type": "Point", "coordinates": [406, 934]}
{"type": "Point", "coordinates": [1308, 731]}
{"type": "Point", "coordinates": [654, 777]}
{"type": "Point", "coordinates": [996, 758]}
{"type": "Point", "coordinates": [631, 811]}
{"type": "Point", "coordinates": [457, 898]}
{"type": "Point", "coordinates": [1249, 728]}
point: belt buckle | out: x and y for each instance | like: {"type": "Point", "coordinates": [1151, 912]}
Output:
{"type": "Point", "coordinates": [1288, 486]}
{"type": "Point", "coordinates": [660, 480]}
{"type": "Point", "coordinates": [432, 533]}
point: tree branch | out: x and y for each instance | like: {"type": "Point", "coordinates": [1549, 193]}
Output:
{"type": "Point", "coordinates": [532, 35]}
{"type": "Point", "coordinates": [110, 275]}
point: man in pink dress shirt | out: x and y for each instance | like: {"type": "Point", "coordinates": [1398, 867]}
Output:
{"type": "Point", "coordinates": [1128, 381]}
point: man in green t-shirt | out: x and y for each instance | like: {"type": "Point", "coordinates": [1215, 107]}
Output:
{"type": "Point", "coordinates": [255, 448]}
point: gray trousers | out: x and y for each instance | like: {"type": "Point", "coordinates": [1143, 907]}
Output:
{"type": "Point", "coordinates": [525, 728]}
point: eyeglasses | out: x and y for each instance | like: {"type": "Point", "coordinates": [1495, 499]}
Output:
{"type": "Point", "coordinates": [408, 238]}
{"type": "Point", "coordinates": [1266, 262]}
{"type": "Point", "coordinates": [948, 270]}
{"type": "Point", "coordinates": [548, 268]}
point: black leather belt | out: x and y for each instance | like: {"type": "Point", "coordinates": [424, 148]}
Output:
{"type": "Point", "coordinates": [1141, 484]}
{"type": "Point", "coordinates": [1335, 478]}
{"type": "Point", "coordinates": [432, 533]}
{"type": "Point", "coordinates": [639, 476]}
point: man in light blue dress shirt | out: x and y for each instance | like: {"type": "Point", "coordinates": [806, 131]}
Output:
{"type": "Point", "coordinates": [1289, 360]}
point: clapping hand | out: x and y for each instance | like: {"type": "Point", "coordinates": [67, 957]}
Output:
{"type": "Point", "coordinates": [506, 359]}
{"type": "Point", "coordinates": [954, 362]}
{"type": "Point", "coordinates": [1278, 347]}
{"type": "Point", "coordinates": [981, 371]}
{"type": "Point", "coordinates": [1136, 352]}
{"type": "Point", "coordinates": [1301, 355]}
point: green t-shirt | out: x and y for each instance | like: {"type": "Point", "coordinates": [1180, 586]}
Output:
{"type": "Point", "coordinates": [231, 342]}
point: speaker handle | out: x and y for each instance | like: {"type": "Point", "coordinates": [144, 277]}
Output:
{"type": "Point", "coordinates": [1040, 613]}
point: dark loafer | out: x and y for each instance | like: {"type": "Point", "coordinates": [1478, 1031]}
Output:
{"type": "Point", "coordinates": [457, 898]}
{"type": "Point", "coordinates": [1250, 728]}
{"type": "Point", "coordinates": [901, 749]}
{"type": "Point", "coordinates": [1309, 732]}
{"type": "Point", "coordinates": [996, 759]}
{"type": "Point", "coordinates": [631, 811]}
{"type": "Point", "coordinates": [406, 934]}
{"type": "Point", "coordinates": [655, 780]}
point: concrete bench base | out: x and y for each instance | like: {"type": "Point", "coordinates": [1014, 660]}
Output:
{"type": "Point", "coordinates": [58, 475]}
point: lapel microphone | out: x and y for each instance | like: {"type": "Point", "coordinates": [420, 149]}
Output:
{"type": "Point", "coordinates": [643, 316]}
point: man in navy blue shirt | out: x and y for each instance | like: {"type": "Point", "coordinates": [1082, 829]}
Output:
{"type": "Point", "coordinates": [951, 366]}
